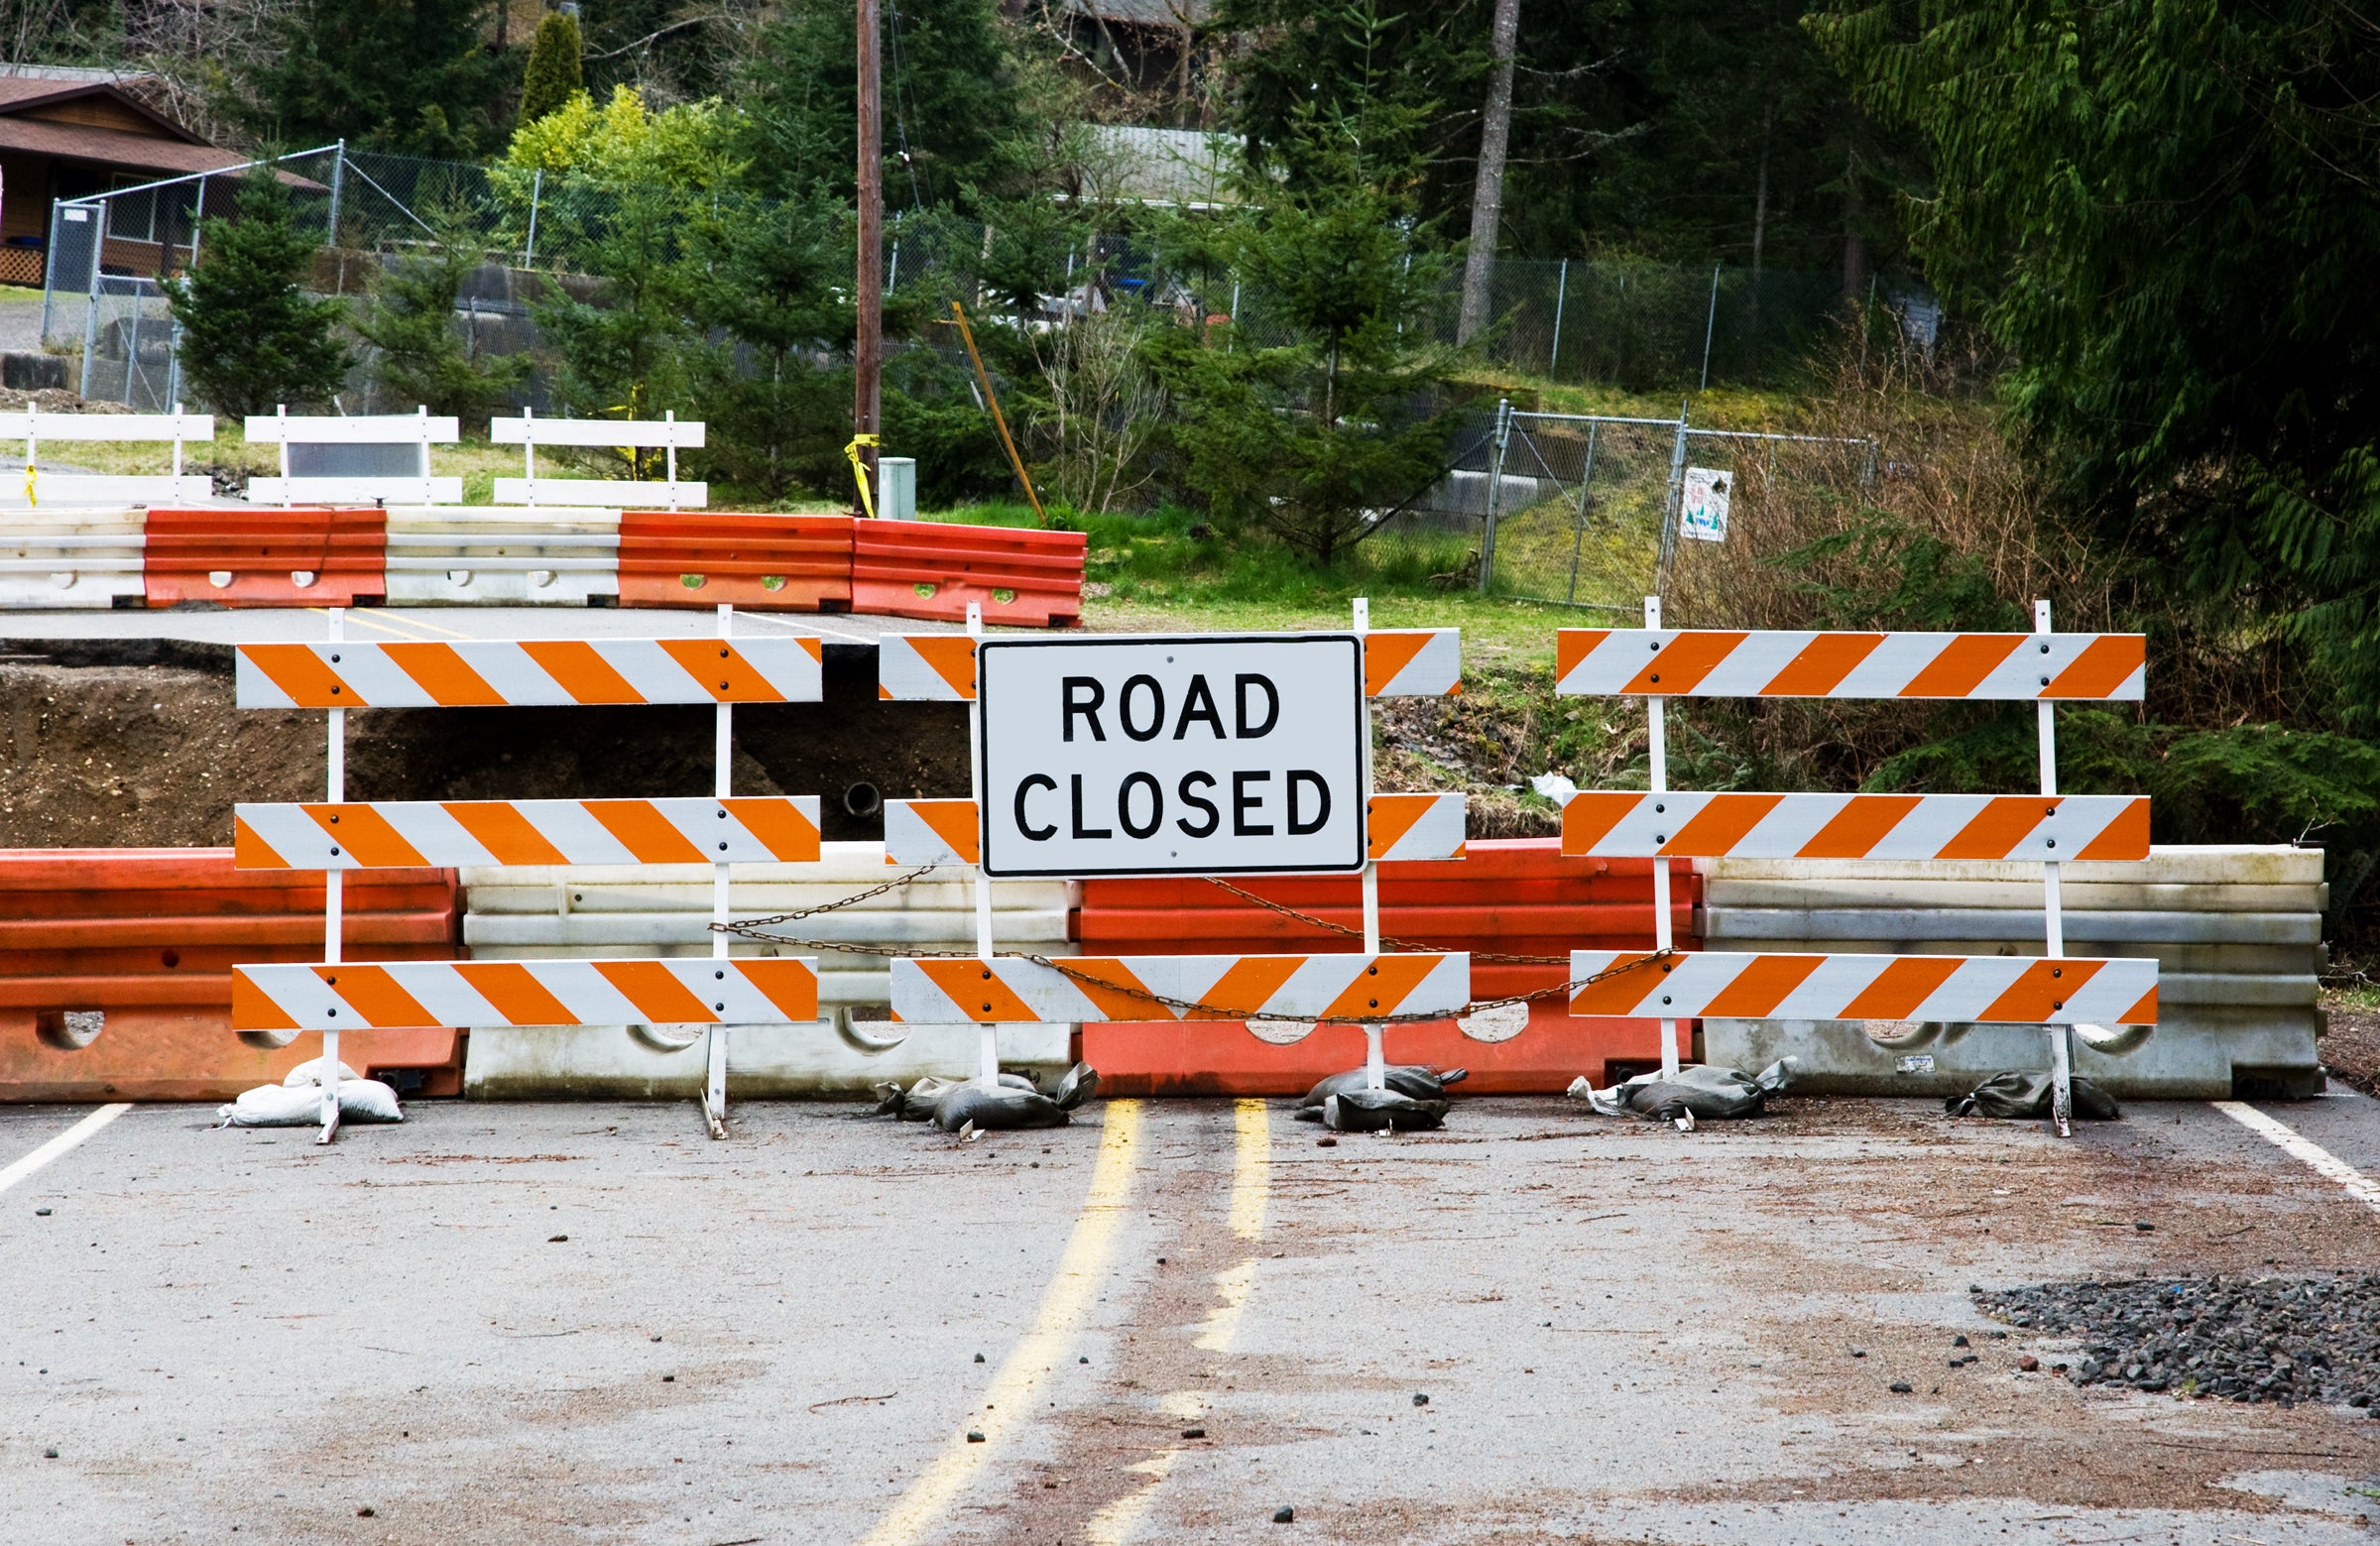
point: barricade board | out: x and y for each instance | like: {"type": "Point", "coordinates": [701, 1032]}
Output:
{"type": "Point", "coordinates": [1184, 987]}
{"type": "Point", "coordinates": [2016, 990]}
{"type": "Point", "coordinates": [348, 996]}
{"type": "Point", "coordinates": [1626, 824]}
{"type": "Point", "coordinates": [406, 833]}
{"type": "Point", "coordinates": [481, 672]}
{"type": "Point", "coordinates": [1717, 664]}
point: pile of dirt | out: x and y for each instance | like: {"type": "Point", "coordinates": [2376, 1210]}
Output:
{"type": "Point", "coordinates": [135, 744]}
{"type": "Point", "coordinates": [55, 399]}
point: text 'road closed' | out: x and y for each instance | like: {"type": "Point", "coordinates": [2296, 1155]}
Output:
{"type": "Point", "coordinates": [1152, 755]}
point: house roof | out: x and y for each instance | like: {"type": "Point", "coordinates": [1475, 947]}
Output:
{"type": "Point", "coordinates": [110, 147]}
{"type": "Point", "coordinates": [1189, 168]}
{"type": "Point", "coordinates": [20, 95]}
{"type": "Point", "coordinates": [1144, 12]}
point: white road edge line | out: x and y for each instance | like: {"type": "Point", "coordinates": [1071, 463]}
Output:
{"type": "Point", "coordinates": [71, 1139]}
{"type": "Point", "coordinates": [2361, 1187]}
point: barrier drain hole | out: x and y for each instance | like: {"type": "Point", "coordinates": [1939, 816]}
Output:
{"type": "Point", "coordinates": [70, 1030]}
{"type": "Point", "coordinates": [691, 581]}
{"type": "Point", "coordinates": [1001, 596]}
{"type": "Point", "coordinates": [171, 957]}
{"type": "Point", "coordinates": [924, 591]}
{"type": "Point", "coordinates": [862, 800]}
{"type": "Point", "coordinates": [772, 583]}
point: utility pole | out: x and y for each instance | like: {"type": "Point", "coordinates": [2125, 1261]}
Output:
{"type": "Point", "coordinates": [1488, 193]}
{"type": "Point", "coordinates": [868, 355]}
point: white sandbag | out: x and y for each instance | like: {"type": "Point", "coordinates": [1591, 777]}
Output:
{"type": "Point", "coordinates": [310, 1072]}
{"type": "Point", "coordinates": [300, 1106]}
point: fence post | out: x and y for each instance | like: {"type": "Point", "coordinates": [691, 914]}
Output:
{"type": "Point", "coordinates": [537, 186]}
{"type": "Point", "coordinates": [1553, 358]}
{"type": "Point", "coordinates": [1495, 489]}
{"type": "Point", "coordinates": [90, 312]}
{"type": "Point", "coordinates": [1578, 540]}
{"type": "Point", "coordinates": [1669, 504]}
{"type": "Point", "coordinates": [1709, 327]}
{"type": "Point", "coordinates": [338, 177]}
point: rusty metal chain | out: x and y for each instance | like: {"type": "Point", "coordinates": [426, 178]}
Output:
{"type": "Point", "coordinates": [1355, 933]}
{"type": "Point", "coordinates": [754, 928]}
{"type": "Point", "coordinates": [832, 907]}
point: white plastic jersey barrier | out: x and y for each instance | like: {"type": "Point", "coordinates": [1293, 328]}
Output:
{"type": "Point", "coordinates": [349, 995]}
{"type": "Point", "coordinates": [415, 834]}
{"type": "Point", "coordinates": [69, 558]}
{"type": "Point", "coordinates": [2235, 933]}
{"type": "Point", "coordinates": [1181, 987]}
{"type": "Point", "coordinates": [504, 557]}
{"type": "Point", "coordinates": [2010, 990]}
{"type": "Point", "coordinates": [669, 435]}
{"type": "Point", "coordinates": [1614, 824]}
{"type": "Point", "coordinates": [481, 673]}
{"type": "Point", "coordinates": [1718, 664]}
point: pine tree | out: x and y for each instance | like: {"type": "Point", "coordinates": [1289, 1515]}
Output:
{"type": "Point", "coordinates": [554, 73]}
{"type": "Point", "coordinates": [406, 75]}
{"type": "Point", "coordinates": [411, 323]}
{"type": "Point", "coordinates": [251, 337]}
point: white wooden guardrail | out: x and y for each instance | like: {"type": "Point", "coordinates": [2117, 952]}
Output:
{"type": "Point", "coordinates": [2052, 991]}
{"type": "Point", "coordinates": [38, 489]}
{"type": "Point", "coordinates": [668, 434]}
{"type": "Point", "coordinates": [420, 429]}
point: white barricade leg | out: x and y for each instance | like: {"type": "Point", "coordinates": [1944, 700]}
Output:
{"type": "Point", "coordinates": [333, 901]}
{"type": "Point", "coordinates": [714, 1088]}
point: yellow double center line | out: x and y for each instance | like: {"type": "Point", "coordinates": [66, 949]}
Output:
{"type": "Point", "coordinates": [1065, 1304]}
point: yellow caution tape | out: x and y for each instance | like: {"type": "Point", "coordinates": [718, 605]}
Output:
{"type": "Point", "coordinates": [859, 470]}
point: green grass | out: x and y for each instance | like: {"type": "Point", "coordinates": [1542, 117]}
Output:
{"type": "Point", "coordinates": [1153, 572]}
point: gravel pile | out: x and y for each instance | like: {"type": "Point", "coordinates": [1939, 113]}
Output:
{"type": "Point", "coordinates": [2268, 1339]}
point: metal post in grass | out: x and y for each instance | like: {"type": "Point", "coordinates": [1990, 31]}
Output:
{"type": "Point", "coordinates": [1578, 540]}
{"type": "Point", "coordinates": [1553, 356]}
{"type": "Point", "coordinates": [1669, 504]}
{"type": "Point", "coordinates": [338, 180]}
{"type": "Point", "coordinates": [1709, 327]}
{"type": "Point", "coordinates": [536, 187]}
{"type": "Point", "coordinates": [1495, 490]}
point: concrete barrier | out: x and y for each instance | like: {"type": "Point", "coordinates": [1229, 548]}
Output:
{"type": "Point", "coordinates": [533, 914]}
{"type": "Point", "coordinates": [2237, 932]}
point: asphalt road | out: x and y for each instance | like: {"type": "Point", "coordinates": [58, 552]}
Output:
{"type": "Point", "coordinates": [1624, 1332]}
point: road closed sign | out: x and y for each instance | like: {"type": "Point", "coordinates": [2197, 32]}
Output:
{"type": "Point", "coordinates": [1196, 756]}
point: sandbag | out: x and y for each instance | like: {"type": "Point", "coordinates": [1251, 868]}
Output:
{"type": "Point", "coordinates": [1410, 1080]}
{"type": "Point", "coordinates": [300, 1106]}
{"type": "Point", "coordinates": [1016, 1103]}
{"type": "Point", "coordinates": [1371, 1111]}
{"type": "Point", "coordinates": [2018, 1093]}
{"type": "Point", "coordinates": [1696, 1090]}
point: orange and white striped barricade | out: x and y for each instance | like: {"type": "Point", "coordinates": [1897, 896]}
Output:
{"type": "Point", "coordinates": [1186, 987]}
{"type": "Point", "coordinates": [337, 835]}
{"type": "Point", "coordinates": [2044, 668]}
{"type": "Point", "coordinates": [350, 995]}
{"type": "Point", "coordinates": [1387, 663]}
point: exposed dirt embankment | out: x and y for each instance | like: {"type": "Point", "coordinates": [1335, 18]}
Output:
{"type": "Point", "coordinates": [135, 744]}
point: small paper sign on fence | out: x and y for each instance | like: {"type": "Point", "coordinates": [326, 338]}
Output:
{"type": "Point", "coordinates": [1703, 509]}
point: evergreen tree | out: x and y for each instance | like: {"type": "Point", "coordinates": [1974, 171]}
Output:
{"type": "Point", "coordinates": [623, 352]}
{"type": "Point", "coordinates": [411, 322]}
{"type": "Point", "coordinates": [554, 73]}
{"type": "Point", "coordinates": [251, 337]}
{"type": "Point", "coordinates": [773, 286]}
{"type": "Point", "coordinates": [1307, 438]}
{"type": "Point", "coordinates": [408, 75]}
{"type": "Point", "coordinates": [2165, 213]}
{"type": "Point", "coordinates": [951, 91]}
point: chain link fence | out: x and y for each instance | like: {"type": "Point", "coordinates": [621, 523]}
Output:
{"type": "Point", "coordinates": [1582, 510]}
{"type": "Point", "coordinates": [1638, 324]}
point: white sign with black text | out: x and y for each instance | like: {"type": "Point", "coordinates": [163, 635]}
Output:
{"type": "Point", "coordinates": [1197, 755]}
